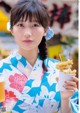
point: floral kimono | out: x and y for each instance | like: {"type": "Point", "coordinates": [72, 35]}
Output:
{"type": "Point", "coordinates": [29, 89]}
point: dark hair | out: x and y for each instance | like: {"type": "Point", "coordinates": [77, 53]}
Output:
{"type": "Point", "coordinates": [29, 9]}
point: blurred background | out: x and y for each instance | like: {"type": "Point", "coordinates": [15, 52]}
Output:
{"type": "Point", "coordinates": [64, 21]}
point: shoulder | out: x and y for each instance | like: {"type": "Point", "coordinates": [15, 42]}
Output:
{"type": "Point", "coordinates": [4, 64]}
{"type": "Point", "coordinates": [53, 60]}
{"type": "Point", "coordinates": [51, 65]}
{"type": "Point", "coordinates": [6, 60]}
{"type": "Point", "coordinates": [50, 61]}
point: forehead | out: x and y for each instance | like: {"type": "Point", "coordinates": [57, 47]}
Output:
{"type": "Point", "coordinates": [29, 18]}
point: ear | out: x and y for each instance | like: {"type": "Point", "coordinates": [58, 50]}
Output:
{"type": "Point", "coordinates": [45, 31]}
{"type": "Point", "coordinates": [11, 30]}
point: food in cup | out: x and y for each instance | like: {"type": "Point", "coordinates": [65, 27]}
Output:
{"type": "Point", "coordinates": [66, 66]}
{"type": "Point", "coordinates": [65, 73]}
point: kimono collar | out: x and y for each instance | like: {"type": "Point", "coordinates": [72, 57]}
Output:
{"type": "Point", "coordinates": [24, 66]}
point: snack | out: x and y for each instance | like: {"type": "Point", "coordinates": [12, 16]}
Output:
{"type": "Point", "coordinates": [66, 66]}
{"type": "Point", "coordinates": [69, 71]}
{"type": "Point", "coordinates": [65, 73]}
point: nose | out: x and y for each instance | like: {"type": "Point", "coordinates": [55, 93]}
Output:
{"type": "Point", "coordinates": [27, 33]}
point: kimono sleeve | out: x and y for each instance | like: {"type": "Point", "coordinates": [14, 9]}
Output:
{"type": "Point", "coordinates": [74, 102]}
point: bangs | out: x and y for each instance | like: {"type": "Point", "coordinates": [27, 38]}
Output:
{"type": "Point", "coordinates": [30, 15]}
{"type": "Point", "coordinates": [24, 12]}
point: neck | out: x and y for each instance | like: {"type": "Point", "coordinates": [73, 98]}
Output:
{"type": "Point", "coordinates": [31, 56]}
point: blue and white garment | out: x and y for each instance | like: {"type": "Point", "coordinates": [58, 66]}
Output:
{"type": "Point", "coordinates": [31, 90]}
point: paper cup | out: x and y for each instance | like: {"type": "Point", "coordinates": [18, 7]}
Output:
{"type": "Point", "coordinates": [2, 89]}
{"type": "Point", "coordinates": [62, 78]}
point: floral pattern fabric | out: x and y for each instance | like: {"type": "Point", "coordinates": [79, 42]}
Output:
{"type": "Point", "coordinates": [31, 90]}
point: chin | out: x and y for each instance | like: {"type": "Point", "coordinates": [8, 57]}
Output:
{"type": "Point", "coordinates": [27, 49]}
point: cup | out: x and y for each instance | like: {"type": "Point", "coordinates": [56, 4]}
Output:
{"type": "Point", "coordinates": [2, 89]}
{"type": "Point", "coordinates": [61, 81]}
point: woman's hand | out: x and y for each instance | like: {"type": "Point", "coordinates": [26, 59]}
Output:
{"type": "Point", "coordinates": [71, 86]}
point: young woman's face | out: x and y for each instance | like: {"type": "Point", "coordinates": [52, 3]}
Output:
{"type": "Point", "coordinates": [28, 35]}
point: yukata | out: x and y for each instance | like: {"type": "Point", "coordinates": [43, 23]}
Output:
{"type": "Point", "coordinates": [31, 90]}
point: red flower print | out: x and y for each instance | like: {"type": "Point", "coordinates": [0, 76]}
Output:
{"type": "Point", "coordinates": [17, 81]}
{"type": "Point", "coordinates": [9, 96]}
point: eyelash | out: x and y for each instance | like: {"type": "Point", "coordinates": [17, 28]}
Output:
{"type": "Point", "coordinates": [35, 25]}
{"type": "Point", "coordinates": [20, 25]}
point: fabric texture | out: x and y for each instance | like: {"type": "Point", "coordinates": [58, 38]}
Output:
{"type": "Point", "coordinates": [31, 90]}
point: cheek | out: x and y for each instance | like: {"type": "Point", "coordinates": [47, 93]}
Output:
{"type": "Point", "coordinates": [38, 39]}
{"type": "Point", "coordinates": [17, 31]}
{"type": "Point", "coordinates": [17, 35]}
{"type": "Point", "coordinates": [39, 33]}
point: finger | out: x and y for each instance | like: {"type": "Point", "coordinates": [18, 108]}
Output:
{"type": "Point", "coordinates": [70, 88]}
{"type": "Point", "coordinates": [75, 79]}
{"type": "Point", "coordinates": [71, 83]}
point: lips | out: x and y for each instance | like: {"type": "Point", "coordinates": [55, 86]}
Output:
{"type": "Point", "coordinates": [27, 41]}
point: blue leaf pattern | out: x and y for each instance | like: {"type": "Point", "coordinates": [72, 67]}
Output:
{"type": "Point", "coordinates": [39, 94]}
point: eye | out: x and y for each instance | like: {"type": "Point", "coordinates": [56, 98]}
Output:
{"type": "Point", "coordinates": [35, 25]}
{"type": "Point", "coordinates": [20, 25]}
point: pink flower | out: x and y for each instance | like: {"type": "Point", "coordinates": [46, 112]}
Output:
{"type": "Point", "coordinates": [17, 81]}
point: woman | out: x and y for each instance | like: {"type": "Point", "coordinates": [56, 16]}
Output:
{"type": "Point", "coordinates": [31, 76]}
